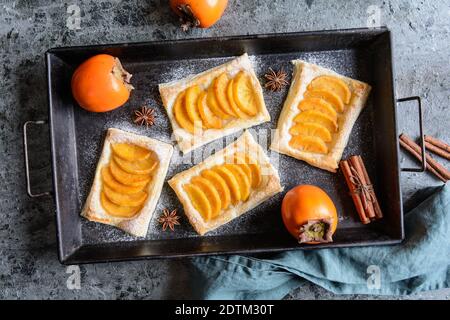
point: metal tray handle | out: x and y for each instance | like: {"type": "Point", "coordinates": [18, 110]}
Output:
{"type": "Point", "coordinates": [422, 139]}
{"type": "Point", "coordinates": [27, 166]}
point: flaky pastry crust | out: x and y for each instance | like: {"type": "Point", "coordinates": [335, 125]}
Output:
{"type": "Point", "coordinates": [138, 225]}
{"type": "Point", "coordinates": [269, 186]}
{"type": "Point", "coordinates": [169, 92]}
{"type": "Point", "coordinates": [304, 72]}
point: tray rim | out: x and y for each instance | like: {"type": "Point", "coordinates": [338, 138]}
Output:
{"type": "Point", "coordinates": [71, 258]}
{"type": "Point", "coordinates": [378, 30]}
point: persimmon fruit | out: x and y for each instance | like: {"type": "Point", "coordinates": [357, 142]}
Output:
{"type": "Point", "coordinates": [309, 214]}
{"type": "Point", "coordinates": [101, 84]}
{"type": "Point", "coordinates": [198, 13]}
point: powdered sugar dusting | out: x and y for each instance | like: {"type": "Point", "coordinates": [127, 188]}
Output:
{"type": "Point", "coordinates": [264, 219]}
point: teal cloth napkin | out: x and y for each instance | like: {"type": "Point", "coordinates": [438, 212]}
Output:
{"type": "Point", "coordinates": [420, 263]}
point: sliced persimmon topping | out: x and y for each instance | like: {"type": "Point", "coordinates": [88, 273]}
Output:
{"type": "Point", "coordinates": [118, 211]}
{"type": "Point", "coordinates": [127, 178]}
{"type": "Point", "coordinates": [220, 185]}
{"type": "Point", "coordinates": [145, 166]}
{"type": "Point", "coordinates": [317, 117]}
{"type": "Point", "coordinates": [231, 181]}
{"type": "Point", "coordinates": [192, 94]}
{"type": "Point", "coordinates": [181, 115]}
{"type": "Point", "coordinates": [309, 144]}
{"type": "Point", "coordinates": [329, 96]}
{"type": "Point", "coordinates": [233, 103]}
{"type": "Point", "coordinates": [211, 194]}
{"type": "Point", "coordinates": [319, 105]}
{"type": "Point", "coordinates": [244, 93]}
{"type": "Point", "coordinates": [130, 152]}
{"type": "Point", "coordinates": [214, 105]}
{"type": "Point", "coordinates": [126, 200]}
{"type": "Point", "coordinates": [333, 84]}
{"type": "Point", "coordinates": [220, 91]}
{"type": "Point", "coordinates": [255, 170]}
{"type": "Point", "coordinates": [240, 160]}
{"type": "Point", "coordinates": [199, 201]}
{"type": "Point", "coordinates": [210, 120]}
{"type": "Point", "coordinates": [311, 129]}
{"type": "Point", "coordinates": [111, 182]}
{"type": "Point", "coordinates": [241, 178]}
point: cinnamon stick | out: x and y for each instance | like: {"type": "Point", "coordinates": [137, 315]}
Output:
{"type": "Point", "coordinates": [443, 172]}
{"type": "Point", "coordinates": [437, 146]}
{"type": "Point", "coordinates": [354, 160]}
{"type": "Point", "coordinates": [355, 196]}
{"type": "Point", "coordinates": [438, 143]}
{"type": "Point", "coordinates": [376, 204]}
{"type": "Point", "coordinates": [436, 150]}
{"type": "Point", "coordinates": [419, 157]}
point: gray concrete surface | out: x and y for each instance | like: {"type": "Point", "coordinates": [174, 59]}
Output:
{"type": "Point", "coordinates": [28, 262]}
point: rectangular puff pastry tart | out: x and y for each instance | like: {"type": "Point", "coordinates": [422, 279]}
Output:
{"type": "Point", "coordinates": [318, 115]}
{"type": "Point", "coordinates": [226, 185]}
{"type": "Point", "coordinates": [214, 103]}
{"type": "Point", "coordinates": [128, 181]}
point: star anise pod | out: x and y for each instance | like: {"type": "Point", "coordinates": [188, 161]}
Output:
{"type": "Point", "coordinates": [169, 219]}
{"type": "Point", "coordinates": [145, 116]}
{"type": "Point", "coordinates": [275, 80]}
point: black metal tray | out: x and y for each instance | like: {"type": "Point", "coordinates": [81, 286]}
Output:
{"type": "Point", "coordinates": [77, 136]}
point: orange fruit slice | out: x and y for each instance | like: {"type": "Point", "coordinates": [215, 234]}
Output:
{"type": "Point", "coordinates": [145, 166]}
{"type": "Point", "coordinates": [130, 152]}
{"type": "Point", "coordinates": [311, 129]}
{"type": "Point", "coordinates": [199, 201]}
{"type": "Point", "coordinates": [109, 180]}
{"type": "Point", "coordinates": [319, 105]}
{"type": "Point", "coordinates": [180, 113]}
{"type": "Point", "coordinates": [210, 120]}
{"type": "Point", "coordinates": [118, 211]}
{"type": "Point", "coordinates": [220, 185]}
{"type": "Point", "coordinates": [240, 160]}
{"type": "Point", "coordinates": [233, 103]}
{"type": "Point", "coordinates": [333, 84]}
{"type": "Point", "coordinates": [241, 178]}
{"type": "Point", "coordinates": [126, 200]}
{"type": "Point", "coordinates": [210, 192]}
{"type": "Point", "coordinates": [329, 96]}
{"type": "Point", "coordinates": [231, 181]}
{"type": "Point", "coordinates": [192, 94]}
{"type": "Point", "coordinates": [254, 168]}
{"type": "Point", "coordinates": [317, 117]}
{"type": "Point", "coordinates": [214, 105]}
{"type": "Point", "coordinates": [127, 178]}
{"type": "Point", "coordinates": [243, 94]}
{"type": "Point", "coordinates": [220, 91]}
{"type": "Point", "coordinates": [309, 144]}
